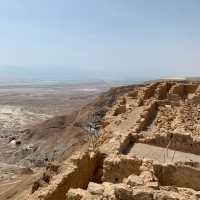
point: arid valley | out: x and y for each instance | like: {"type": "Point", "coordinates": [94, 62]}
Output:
{"type": "Point", "coordinates": [26, 108]}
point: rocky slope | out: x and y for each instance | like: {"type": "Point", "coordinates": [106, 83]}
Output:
{"type": "Point", "coordinates": [55, 139]}
{"type": "Point", "coordinates": [148, 147]}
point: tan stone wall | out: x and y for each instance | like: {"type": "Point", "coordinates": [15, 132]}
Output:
{"type": "Point", "coordinates": [178, 175]}
{"type": "Point", "coordinates": [78, 172]}
{"type": "Point", "coordinates": [149, 90]}
{"type": "Point", "coordinates": [180, 142]}
{"type": "Point", "coordinates": [190, 88]}
{"type": "Point", "coordinates": [116, 168]}
{"type": "Point", "coordinates": [161, 91]}
{"type": "Point", "coordinates": [147, 116]}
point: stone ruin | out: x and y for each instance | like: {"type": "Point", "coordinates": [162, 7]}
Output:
{"type": "Point", "coordinates": [149, 149]}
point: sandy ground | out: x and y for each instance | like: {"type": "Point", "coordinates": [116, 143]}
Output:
{"type": "Point", "coordinates": [17, 117]}
{"type": "Point", "coordinates": [53, 100]}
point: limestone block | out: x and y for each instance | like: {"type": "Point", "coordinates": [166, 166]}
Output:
{"type": "Point", "coordinates": [76, 194]}
{"type": "Point", "coordinates": [134, 180]}
{"type": "Point", "coordinates": [96, 189]}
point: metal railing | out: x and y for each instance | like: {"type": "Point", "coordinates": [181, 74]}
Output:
{"type": "Point", "coordinates": [93, 128]}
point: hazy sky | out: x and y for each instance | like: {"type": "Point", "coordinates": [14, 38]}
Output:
{"type": "Point", "coordinates": [132, 38]}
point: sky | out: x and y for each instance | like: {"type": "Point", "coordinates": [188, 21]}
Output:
{"type": "Point", "coordinates": [100, 38]}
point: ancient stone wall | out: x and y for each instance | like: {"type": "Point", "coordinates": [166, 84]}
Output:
{"type": "Point", "coordinates": [161, 91]}
{"type": "Point", "coordinates": [78, 172]}
{"type": "Point", "coordinates": [146, 117]}
{"type": "Point", "coordinates": [190, 88]}
{"type": "Point", "coordinates": [116, 168]}
{"type": "Point", "coordinates": [178, 175]}
{"type": "Point", "coordinates": [175, 141]}
{"type": "Point", "coordinates": [148, 91]}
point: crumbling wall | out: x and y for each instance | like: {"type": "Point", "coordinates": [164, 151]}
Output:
{"type": "Point", "coordinates": [149, 90]}
{"type": "Point", "coordinates": [178, 175]}
{"type": "Point", "coordinates": [120, 107]}
{"type": "Point", "coordinates": [146, 117]}
{"type": "Point", "coordinates": [161, 91]}
{"type": "Point", "coordinates": [119, 110]}
{"type": "Point", "coordinates": [78, 172]}
{"type": "Point", "coordinates": [195, 99]}
{"type": "Point", "coordinates": [122, 191]}
{"type": "Point", "coordinates": [116, 168]}
{"type": "Point", "coordinates": [190, 88]}
{"type": "Point", "coordinates": [177, 89]}
{"type": "Point", "coordinates": [180, 91]}
{"type": "Point", "coordinates": [175, 141]}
